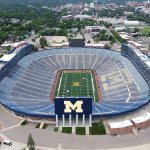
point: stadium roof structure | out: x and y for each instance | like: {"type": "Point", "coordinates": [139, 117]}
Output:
{"type": "Point", "coordinates": [26, 88]}
{"type": "Point", "coordinates": [10, 55]}
{"type": "Point", "coordinates": [142, 56]}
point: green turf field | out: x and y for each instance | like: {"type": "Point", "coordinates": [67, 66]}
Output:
{"type": "Point", "coordinates": [146, 30]}
{"type": "Point", "coordinates": [77, 84]}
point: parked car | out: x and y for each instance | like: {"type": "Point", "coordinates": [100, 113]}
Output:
{"type": "Point", "coordinates": [7, 142]}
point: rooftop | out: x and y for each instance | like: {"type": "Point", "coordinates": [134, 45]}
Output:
{"type": "Point", "coordinates": [142, 118]}
{"type": "Point", "coordinates": [7, 57]}
{"type": "Point", "coordinates": [122, 124]}
{"type": "Point", "coordinates": [142, 56]}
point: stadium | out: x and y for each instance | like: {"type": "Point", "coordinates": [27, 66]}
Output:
{"type": "Point", "coordinates": [117, 82]}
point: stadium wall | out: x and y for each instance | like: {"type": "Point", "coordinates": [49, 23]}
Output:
{"type": "Point", "coordinates": [138, 63]}
{"type": "Point", "coordinates": [23, 52]}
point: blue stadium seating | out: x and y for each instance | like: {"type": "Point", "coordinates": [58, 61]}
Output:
{"type": "Point", "coordinates": [26, 88]}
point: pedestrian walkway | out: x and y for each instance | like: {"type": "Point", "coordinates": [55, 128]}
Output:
{"type": "Point", "coordinates": [41, 125]}
{"type": "Point", "coordinates": [106, 127]}
{"type": "Point", "coordinates": [11, 127]}
{"type": "Point", "coordinates": [73, 129]}
{"type": "Point", "coordinates": [87, 130]}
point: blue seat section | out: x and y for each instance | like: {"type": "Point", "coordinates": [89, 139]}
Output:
{"type": "Point", "coordinates": [27, 87]}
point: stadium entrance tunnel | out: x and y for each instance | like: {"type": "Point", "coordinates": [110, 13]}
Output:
{"type": "Point", "coordinates": [38, 77]}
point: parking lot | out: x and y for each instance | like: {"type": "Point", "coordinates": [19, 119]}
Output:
{"type": "Point", "coordinates": [145, 40]}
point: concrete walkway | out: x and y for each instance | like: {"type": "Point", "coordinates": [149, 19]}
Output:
{"type": "Point", "coordinates": [49, 140]}
{"type": "Point", "coordinates": [19, 146]}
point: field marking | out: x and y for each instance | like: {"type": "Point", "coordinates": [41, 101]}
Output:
{"type": "Point", "coordinates": [59, 84]}
{"type": "Point", "coordinates": [93, 87]}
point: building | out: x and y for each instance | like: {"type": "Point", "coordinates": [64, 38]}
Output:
{"type": "Point", "coordinates": [120, 28]}
{"type": "Point", "coordinates": [13, 45]}
{"type": "Point", "coordinates": [128, 13]}
{"type": "Point", "coordinates": [91, 5]}
{"type": "Point", "coordinates": [82, 17]}
{"type": "Point", "coordinates": [125, 36]}
{"type": "Point", "coordinates": [140, 60]}
{"type": "Point", "coordinates": [67, 17]}
{"type": "Point", "coordinates": [76, 42]}
{"type": "Point", "coordinates": [10, 60]}
{"type": "Point", "coordinates": [131, 23]}
{"type": "Point", "coordinates": [14, 20]}
{"type": "Point", "coordinates": [94, 29]}
{"type": "Point", "coordinates": [139, 46]}
{"type": "Point", "coordinates": [77, 58]}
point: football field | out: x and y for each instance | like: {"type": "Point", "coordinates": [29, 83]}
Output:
{"type": "Point", "coordinates": [77, 84]}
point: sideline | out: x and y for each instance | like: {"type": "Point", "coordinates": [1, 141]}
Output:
{"type": "Point", "coordinates": [93, 87]}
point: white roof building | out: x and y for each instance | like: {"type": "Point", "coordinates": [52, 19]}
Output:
{"type": "Point", "coordinates": [121, 124]}
{"type": "Point", "coordinates": [7, 57]}
{"type": "Point", "coordinates": [125, 36]}
{"type": "Point", "coordinates": [14, 45]}
{"type": "Point", "coordinates": [82, 17]}
{"type": "Point", "coordinates": [131, 23]}
{"type": "Point", "coordinates": [142, 118]}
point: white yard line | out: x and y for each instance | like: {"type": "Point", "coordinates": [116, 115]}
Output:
{"type": "Point", "coordinates": [59, 84]}
{"type": "Point", "coordinates": [93, 87]}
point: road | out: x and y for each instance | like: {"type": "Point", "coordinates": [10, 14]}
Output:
{"type": "Point", "coordinates": [88, 37]}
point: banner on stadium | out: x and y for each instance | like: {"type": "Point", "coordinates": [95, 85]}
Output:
{"type": "Point", "coordinates": [73, 106]}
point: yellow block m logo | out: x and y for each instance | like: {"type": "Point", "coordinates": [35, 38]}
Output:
{"type": "Point", "coordinates": [77, 107]}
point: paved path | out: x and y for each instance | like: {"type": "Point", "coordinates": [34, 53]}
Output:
{"type": "Point", "coordinates": [47, 139]}
{"type": "Point", "coordinates": [19, 146]}
{"type": "Point", "coordinates": [7, 119]}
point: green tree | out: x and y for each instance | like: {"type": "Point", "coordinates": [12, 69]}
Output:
{"type": "Point", "coordinates": [136, 30]}
{"type": "Point", "coordinates": [8, 48]}
{"type": "Point", "coordinates": [30, 143]}
{"type": "Point", "coordinates": [43, 42]}
{"type": "Point", "coordinates": [118, 37]}
{"type": "Point", "coordinates": [107, 46]}
{"type": "Point", "coordinates": [3, 36]}
{"type": "Point", "coordinates": [1, 55]}
{"type": "Point", "coordinates": [34, 48]}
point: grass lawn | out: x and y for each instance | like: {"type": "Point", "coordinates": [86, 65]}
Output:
{"type": "Point", "coordinates": [55, 129]}
{"type": "Point", "coordinates": [80, 130]}
{"type": "Point", "coordinates": [97, 129]}
{"type": "Point", "coordinates": [25, 122]}
{"type": "Point", "coordinates": [45, 126]}
{"type": "Point", "coordinates": [67, 130]}
{"type": "Point", "coordinates": [146, 30]}
{"type": "Point", "coordinates": [38, 125]}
